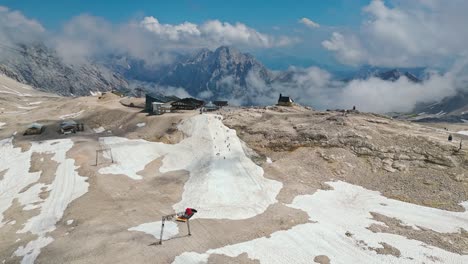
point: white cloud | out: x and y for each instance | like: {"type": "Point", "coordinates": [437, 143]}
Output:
{"type": "Point", "coordinates": [86, 36]}
{"type": "Point", "coordinates": [205, 94]}
{"type": "Point", "coordinates": [410, 33]}
{"type": "Point", "coordinates": [172, 32]}
{"type": "Point", "coordinates": [348, 50]}
{"type": "Point", "coordinates": [318, 88]}
{"type": "Point", "coordinates": [16, 28]}
{"type": "Point", "coordinates": [227, 34]}
{"type": "Point", "coordinates": [309, 23]}
{"type": "Point", "coordinates": [211, 33]}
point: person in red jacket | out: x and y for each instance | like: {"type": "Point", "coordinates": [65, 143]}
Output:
{"type": "Point", "coordinates": [189, 212]}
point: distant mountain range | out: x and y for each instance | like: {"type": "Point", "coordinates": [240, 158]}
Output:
{"type": "Point", "coordinates": [222, 73]}
{"type": "Point", "coordinates": [388, 74]}
{"type": "Point", "coordinates": [208, 74]}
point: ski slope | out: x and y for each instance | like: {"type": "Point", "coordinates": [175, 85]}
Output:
{"type": "Point", "coordinates": [224, 183]}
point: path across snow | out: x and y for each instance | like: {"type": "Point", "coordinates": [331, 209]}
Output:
{"type": "Point", "coordinates": [66, 187]}
{"type": "Point", "coordinates": [347, 209]}
{"type": "Point", "coordinates": [224, 183]}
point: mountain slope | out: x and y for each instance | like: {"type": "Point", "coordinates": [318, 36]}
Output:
{"type": "Point", "coordinates": [40, 67]}
{"type": "Point", "coordinates": [390, 74]}
{"type": "Point", "coordinates": [209, 70]}
{"type": "Point", "coordinates": [207, 74]}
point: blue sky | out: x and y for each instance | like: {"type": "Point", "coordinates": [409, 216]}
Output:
{"type": "Point", "coordinates": [332, 34]}
{"type": "Point", "coordinates": [314, 39]}
{"type": "Point", "coordinates": [261, 14]}
{"type": "Point", "coordinates": [266, 16]}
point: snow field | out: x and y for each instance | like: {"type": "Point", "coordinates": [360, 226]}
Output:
{"type": "Point", "coordinates": [347, 209]}
{"type": "Point", "coordinates": [224, 183]}
{"type": "Point", "coordinates": [66, 187]}
{"type": "Point", "coordinates": [154, 228]}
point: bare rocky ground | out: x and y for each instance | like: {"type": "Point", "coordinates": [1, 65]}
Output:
{"type": "Point", "coordinates": [404, 161]}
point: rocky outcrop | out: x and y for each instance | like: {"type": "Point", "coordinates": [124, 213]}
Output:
{"type": "Point", "coordinates": [393, 149]}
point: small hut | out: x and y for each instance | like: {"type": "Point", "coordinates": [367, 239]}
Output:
{"type": "Point", "coordinates": [34, 129]}
{"type": "Point", "coordinates": [285, 100]}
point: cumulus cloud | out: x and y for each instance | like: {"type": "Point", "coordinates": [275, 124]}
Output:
{"type": "Point", "coordinates": [376, 95]}
{"type": "Point", "coordinates": [172, 32]}
{"type": "Point", "coordinates": [409, 33]}
{"type": "Point", "coordinates": [309, 23]}
{"type": "Point", "coordinates": [318, 88]}
{"type": "Point", "coordinates": [348, 50]}
{"type": "Point", "coordinates": [212, 33]}
{"type": "Point", "coordinates": [205, 94]}
{"type": "Point", "coordinates": [87, 36]}
{"type": "Point", "coordinates": [161, 89]}
{"type": "Point", "coordinates": [16, 28]}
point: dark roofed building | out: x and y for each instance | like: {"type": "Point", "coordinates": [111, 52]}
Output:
{"type": "Point", "coordinates": [157, 98]}
{"type": "Point", "coordinates": [187, 104]}
{"type": "Point", "coordinates": [285, 100]}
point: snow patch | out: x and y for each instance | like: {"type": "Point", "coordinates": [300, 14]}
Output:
{"type": "Point", "coordinates": [66, 187]}
{"type": "Point", "coordinates": [32, 249]}
{"type": "Point", "coordinates": [463, 132]}
{"type": "Point", "coordinates": [346, 209]}
{"type": "Point", "coordinates": [35, 103]}
{"type": "Point", "coordinates": [69, 222]}
{"type": "Point", "coordinates": [99, 130]}
{"type": "Point", "coordinates": [27, 107]}
{"type": "Point", "coordinates": [2, 124]}
{"type": "Point", "coordinates": [12, 91]}
{"type": "Point", "coordinates": [154, 228]}
{"type": "Point", "coordinates": [224, 183]}
{"type": "Point", "coordinates": [72, 115]}
{"type": "Point", "coordinates": [141, 124]}
{"type": "Point", "coordinates": [268, 160]}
